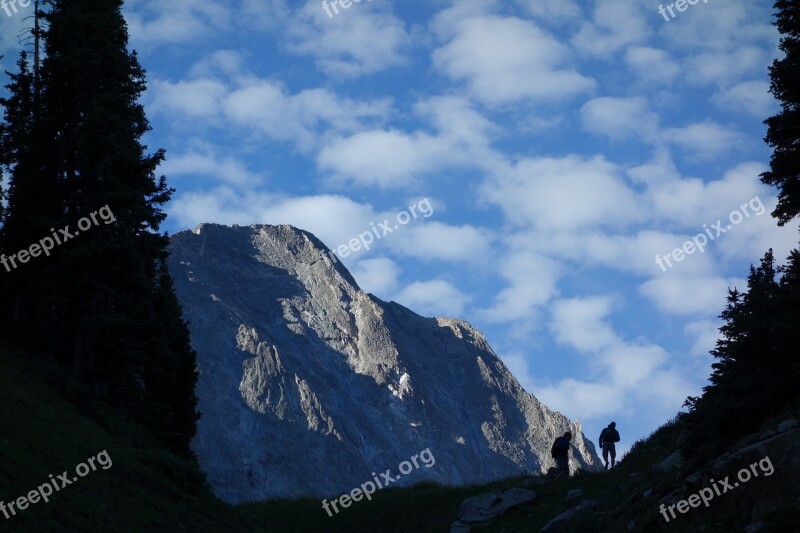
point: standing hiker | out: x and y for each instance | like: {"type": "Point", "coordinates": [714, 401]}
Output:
{"type": "Point", "coordinates": [560, 452]}
{"type": "Point", "coordinates": [608, 437]}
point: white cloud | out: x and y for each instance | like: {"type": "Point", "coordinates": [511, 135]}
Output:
{"type": "Point", "coordinates": [433, 298]}
{"type": "Point", "coordinates": [751, 97]}
{"type": "Point", "coordinates": [615, 24]}
{"type": "Point", "coordinates": [394, 159]}
{"type": "Point", "coordinates": [436, 240]}
{"type": "Point", "coordinates": [152, 22]}
{"type": "Point", "coordinates": [196, 99]}
{"type": "Point", "coordinates": [705, 333]}
{"type": "Point", "coordinates": [385, 158]}
{"type": "Point", "coordinates": [691, 202]}
{"type": "Point", "coordinates": [378, 276]}
{"type": "Point", "coordinates": [334, 219]}
{"type": "Point", "coordinates": [722, 68]}
{"type": "Point", "coordinates": [581, 399]}
{"type": "Point", "coordinates": [532, 281]}
{"type": "Point", "coordinates": [362, 39]}
{"type": "Point", "coordinates": [227, 169]}
{"type": "Point", "coordinates": [579, 323]}
{"type": "Point", "coordinates": [620, 118]}
{"type": "Point", "coordinates": [552, 10]}
{"type": "Point", "coordinates": [628, 375]}
{"type": "Point", "coordinates": [676, 293]}
{"type": "Point", "coordinates": [652, 65]}
{"type": "Point", "coordinates": [266, 107]}
{"type": "Point", "coordinates": [563, 193]}
{"type": "Point", "coordinates": [704, 140]}
{"type": "Point", "coordinates": [507, 60]}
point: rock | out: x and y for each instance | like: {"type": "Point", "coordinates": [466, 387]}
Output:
{"type": "Point", "coordinates": [753, 528]}
{"type": "Point", "coordinates": [486, 507]}
{"type": "Point", "coordinates": [746, 441]}
{"type": "Point", "coordinates": [672, 497]}
{"type": "Point", "coordinates": [694, 481]}
{"type": "Point", "coordinates": [567, 515]}
{"type": "Point", "coordinates": [647, 493]}
{"type": "Point", "coordinates": [291, 350]}
{"type": "Point", "coordinates": [675, 460]}
{"type": "Point", "coordinates": [574, 494]}
{"type": "Point", "coordinates": [459, 527]}
{"type": "Point", "coordinates": [632, 525]}
{"type": "Point", "coordinates": [788, 425]}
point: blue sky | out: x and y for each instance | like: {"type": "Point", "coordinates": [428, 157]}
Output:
{"type": "Point", "coordinates": [562, 146]}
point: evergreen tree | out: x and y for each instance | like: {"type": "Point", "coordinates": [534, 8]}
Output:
{"type": "Point", "coordinates": [33, 195]}
{"type": "Point", "coordinates": [783, 133]}
{"type": "Point", "coordinates": [104, 299]}
{"type": "Point", "coordinates": [756, 373]}
{"type": "Point", "coordinates": [740, 393]}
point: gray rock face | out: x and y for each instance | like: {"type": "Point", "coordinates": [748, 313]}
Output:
{"type": "Point", "coordinates": [309, 386]}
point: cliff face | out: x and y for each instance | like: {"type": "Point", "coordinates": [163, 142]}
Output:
{"type": "Point", "coordinates": [308, 385]}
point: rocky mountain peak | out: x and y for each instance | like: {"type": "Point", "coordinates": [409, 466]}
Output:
{"type": "Point", "coordinates": [308, 384]}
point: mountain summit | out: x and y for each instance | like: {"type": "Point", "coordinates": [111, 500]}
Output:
{"type": "Point", "coordinates": [309, 386]}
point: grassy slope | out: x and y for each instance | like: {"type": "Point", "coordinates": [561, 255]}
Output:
{"type": "Point", "coordinates": [42, 433]}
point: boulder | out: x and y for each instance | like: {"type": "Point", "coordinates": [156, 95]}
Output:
{"type": "Point", "coordinates": [486, 507]}
{"type": "Point", "coordinates": [567, 515]}
{"type": "Point", "coordinates": [675, 460]}
{"type": "Point", "coordinates": [574, 494]}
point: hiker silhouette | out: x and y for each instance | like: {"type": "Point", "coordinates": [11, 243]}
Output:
{"type": "Point", "coordinates": [560, 452]}
{"type": "Point", "coordinates": [608, 438]}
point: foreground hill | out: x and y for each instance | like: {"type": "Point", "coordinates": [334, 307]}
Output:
{"type": "Point", "coordinates": [45, 429]}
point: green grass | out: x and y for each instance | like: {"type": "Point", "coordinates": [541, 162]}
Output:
{"type": "Point", "coordinates": [41, 433]}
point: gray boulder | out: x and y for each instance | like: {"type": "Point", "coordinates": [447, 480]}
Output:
{"type": "Point", "coordinates": [486, 507]}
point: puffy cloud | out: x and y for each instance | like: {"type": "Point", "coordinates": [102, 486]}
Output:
{"type": "Point", "coordinates": [620, 118]}
{"type": "Point", "coordinates": [614, 25]}
{"type": "Point", "coordinates": [378, 276]}
{"type": "Point", "coordinates": [563, 193]}
{"type": "Point", "coordinates": [507, 60]}
{"type": "Point", "coordinates": [652, 65]}
{"type": "Point", "coordinates": [360, 40]}
{"type": "Point", "coordinates": [750, 97]}
{"type": "Point", "coordinates": [435, 297]}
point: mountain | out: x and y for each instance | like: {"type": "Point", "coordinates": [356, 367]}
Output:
{"type": "Point", "coordinates": [310, 387]}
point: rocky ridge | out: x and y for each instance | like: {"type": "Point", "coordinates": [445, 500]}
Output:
{"type": "Point", "coordinates": [309, 386]}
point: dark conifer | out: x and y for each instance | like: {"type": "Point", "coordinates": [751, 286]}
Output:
{"type": "Point", "coordinates": [783, 133]}
{"type": "Point", "coordinates": [103, 300]}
